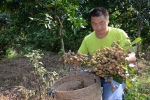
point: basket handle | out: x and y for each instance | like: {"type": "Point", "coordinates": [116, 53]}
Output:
{"type": "Point", "coordinates": [52, 93]}
{"type": "Point", "coordinates": [95, 79]}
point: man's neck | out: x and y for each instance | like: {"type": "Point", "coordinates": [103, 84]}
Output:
{"type": "Point", "coordinates": [101, 36]}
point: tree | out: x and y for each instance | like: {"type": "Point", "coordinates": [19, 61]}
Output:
{"type": "Point", "coordinates": [62, 11]}
{"type": "Point", "coordinates": [66, 21]}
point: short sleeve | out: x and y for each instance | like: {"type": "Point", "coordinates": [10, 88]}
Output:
{"type": "Point", "coordinates": [124, 38]}
{"type": "Point", "coordinates": [125, 41]}
{"type": "Point", "coordinates": [83, 48]}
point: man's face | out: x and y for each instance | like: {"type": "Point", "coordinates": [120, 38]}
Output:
{"type": "Point", "coordinates": [100, 24]}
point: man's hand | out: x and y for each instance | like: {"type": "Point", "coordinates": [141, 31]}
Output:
{"type": "Point", "coordinates": [131, 57]}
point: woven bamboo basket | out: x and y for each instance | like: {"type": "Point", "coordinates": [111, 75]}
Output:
{"type": "Point", "coordinates": [69, 87]}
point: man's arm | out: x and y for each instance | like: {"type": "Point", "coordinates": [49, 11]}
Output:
{"type": "Point", "coordinates": [83, 48]}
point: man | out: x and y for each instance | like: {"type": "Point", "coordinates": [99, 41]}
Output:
{"type": "Point", "coordinates": [103, 35]}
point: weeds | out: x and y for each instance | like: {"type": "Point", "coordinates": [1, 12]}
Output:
{"type": "Point", "coordinates": [140, 89]}
{"type": "Point", "coordinates": [44, 79]}
{"type": "Point", "coordinates": [12, 53]}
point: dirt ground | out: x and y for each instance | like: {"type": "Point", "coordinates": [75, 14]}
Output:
{"type": "Point", "coordinates": [16, 76]}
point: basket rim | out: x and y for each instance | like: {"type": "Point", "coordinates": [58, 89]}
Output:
{"type": "Point", "coordinates": [78, 89]}
{"type": "Point", "coordinates": [85, 74]}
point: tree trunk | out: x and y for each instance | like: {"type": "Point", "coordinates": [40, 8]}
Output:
{"type": "Point", "coordinates": [60, 33]}
{"type": "Point", "coordinates": [139, 25]}
{"type": "Point", "coordinates": [61, 39]}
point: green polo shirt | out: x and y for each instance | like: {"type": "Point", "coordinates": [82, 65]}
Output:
{"type": "Point", "coordinates": [91, 43]}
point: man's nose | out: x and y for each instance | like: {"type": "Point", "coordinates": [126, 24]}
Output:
{"type": "Point", "coordinates": [99, 27]}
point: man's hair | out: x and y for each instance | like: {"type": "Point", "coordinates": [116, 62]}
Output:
{"type": "Point", "coordinates": [98, 11]}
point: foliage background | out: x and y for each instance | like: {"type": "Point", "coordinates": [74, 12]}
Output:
{"type": "Point", "coordinates": [52, 25]}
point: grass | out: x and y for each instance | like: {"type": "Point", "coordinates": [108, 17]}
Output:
{"type": "Point", "coordinates": [140, 89]}
{"type": "Point", "coordinates": [12, 53]}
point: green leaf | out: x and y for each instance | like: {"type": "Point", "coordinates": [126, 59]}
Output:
{"type": "Point", "coordinates": [130, 70]}
{"type": "Point", "coordinates": [117, 79]}
{"type": "Point", "coordinates": [48, 6]}
{"type": "Point", "coordinates": [61, 52]}
{"type": "Point", "coordinates": [131, 49]}
{"type": "Point", "coordinates": [125, 66]}
{"type": "Point", "coordinates": [127, 42]}
{"type": "Point", "coordinates": [9, 1]}
{"type": "Point", "coordinates": [31, 18]}
{"type": "Point", "coordinates": [128, 83]}
{"type": "Point", "coordinates": [143, 96]}
{"type": "Point", "coordinates": [136, 41]}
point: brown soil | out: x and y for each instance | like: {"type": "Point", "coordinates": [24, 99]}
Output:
{"type": "Point", "coordinates": [16, 77]}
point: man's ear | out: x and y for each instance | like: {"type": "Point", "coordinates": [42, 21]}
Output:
{"type": "Point", "coordinates": [107, 19]}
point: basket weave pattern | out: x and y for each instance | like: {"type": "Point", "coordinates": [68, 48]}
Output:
{"type": "Point", "coordinates": [64, 87]}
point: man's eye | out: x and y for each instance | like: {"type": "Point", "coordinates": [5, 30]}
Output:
{"type": "Point", "coordinates": [94, 24]}
{"type": "Point", "coordinates": [102, 22]}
